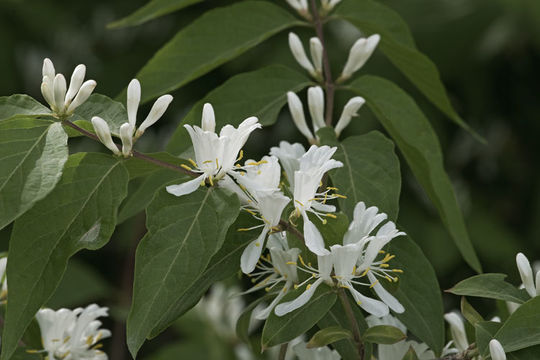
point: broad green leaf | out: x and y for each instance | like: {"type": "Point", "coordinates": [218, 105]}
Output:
{"type": "Point", "coordinates": [21, 105]}
{"type": "Point", "coordinates": [137, 167]}
{"type": "Point", "coordinates": [370, 173]}
{"type": "Point", "coordinates": [530, 353]}
{"type": "Point", "coordinates": [223, 265]}
{"type": "Point", "coordinates": [261, 93]}
{"type": "Point", "coordinates": [327, 336]}
{"type": "Point", "coordinates": [410, 355]}
{"type": "Point", "coordinates": [416, 139]}
{"type": "Point", "coordinates": [281, 329]}
{"type": "Point", "coordinates": [216, 37]}
{"type": "Point", "coordinates": [418, 291]}
{"type": "Point", "coordinates": [32, 155]}
{"type": "Point", "coordinates": [484, 331]}
{"type": "Point", "coordinates": [153, 9]}
{"type": "Point", "coordinates": [491, 286]}
{"type": "Point", "coordinates": [383, 334]}
{"type": "Point", "coordinates": [334, 230]}
{"type": "Point", "coordinates": [522, 329]}
{"type": "Point", "coordinates": [183, 235]}
{"type": "Point", "coordinates": [469, 312]}
{"type": "Point", "coordinates": [397, 44]}
{"type": "Point", "coordinates": [80, 213]}
{"type": "Point", "coordinates": [244, 320]}
{"type": "Point", "coordinates": [113, 112]}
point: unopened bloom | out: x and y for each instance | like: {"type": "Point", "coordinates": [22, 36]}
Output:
{"type": "Point", "coordinates": [297, 114]}
{"type": "Point", "coordinates": [316, 49]}
{"type": "Point", "coordinates": [103, 132]}
{"type": "Point", "coordinates": [73, 334]}
{"type": "Point", "coordinates": [63, 100]}
{"type": "Point", "coordinates": [360, 52]}
{"type": "Point", "coordinates": [316, 107]}
{"type": "Point", "coordinates": [3, 278]}
{"type": "Point", "coordinates": [215, 155]}
{"type": "Point", "coordinates": [289, 156]}
{"type": "Point", "coordinates": [496, 350]}
{"type": "Point", "coordinates": [527, 277]}
{"type": "Point", "coordinates": [328, 5]}
{"type": "Point", "coordinates": [299, 5]}
{"type": "Point", "coordinates": [349, 111]}
{"type": "Point", "coordinates": [457, 328]}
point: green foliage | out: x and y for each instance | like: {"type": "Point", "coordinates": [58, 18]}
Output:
{"type": "Point", "coordinates": [80, 213]}
{"type": "Point", "coordinates": [33, 153]}
{"type": "Point", "coordinates": [182, 237]}
{"type": "Point", "coordinates": [21, 105]}
{"type": "Point", "coordinates": [416, 139]}
{"type": "Point", "coordinates": [522, 328]}
{"type": "Point", "coordinates": [383, 334]}
{"type": "Point", "coordinates": [410, 355]}
{"type": "Point", "coordinates": [491, 286]}
{"type": "Point", "coordinates": [113, 112]}
{"type": "Point", "coordinates": [469, 312]}
{"type": "Point", "coordinates": [327, 336]}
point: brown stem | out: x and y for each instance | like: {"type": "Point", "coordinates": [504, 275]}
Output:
{"type": "Point", "coordinates": [354, 324]}
{"type": "Point", "coordinates": [329, 82]}
{"type": "Point", "coordinates": [285, 225]}
{"type": "Point", "coordinates": [283, 351]}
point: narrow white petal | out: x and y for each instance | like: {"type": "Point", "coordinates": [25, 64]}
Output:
{"type": "Point", "coordinates": [157, 111]}
{"type": "Point", "coordinates": [75, 83]}
{"type": "Point", "coordinates": [133, 99]}
{"type": "Point", "coordinates": [59, 89]}
{"type": "Point", "coordinates": [301, 300]}
{"type": "Point", "coordinates": [297, 113]}
{"type": "Point", "coordinates": [349, 111]}
{"type": "Point", "coordinates": [84, 93]}
{"type": "Point", "coordinates": [299, 53]}
{"type": "Point", "coordinates": [313, 238]}
{"type": "Point", "coordinates": [360, 52]}
{"type": "Point", "coordinates": [316, 50]}
{"type": "Point", "coordinates": [208, 122]}
{"type": "Point", "coordinates": [265, 312]}
{"type": "Point", "coordinates": [372, 306]}
{"type": "Point", "coordinates": [104, 134]}
{"type": "Point", "coordinates": [525, 271]}
{"type": "Point", "coordinates": [457, 328]}
{"type": "Point", "coordinates": [316, 106]}
{"type": "Point", "coordinates": [496, 350]}
{"type": "Point", "coordinates": [384, 295]}
{"type": "Point", "coordinates": [48, 69]}
{"type": "Point", "coordinates": [186, 188]}
{"type": "Point", "coordinates": [126, 135]}
{"type": "Point", "coordinates": [252, 253]}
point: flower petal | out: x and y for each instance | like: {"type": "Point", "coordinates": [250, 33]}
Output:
{"type": "Point", "coordinates": [252, 253]}
{"type": "Point", "coordinates": [186, 188]}
{"type": "Point", "coordinates": [372, 306]}
{"type": "Point", "coordinates": [285, 308]}
{"type": "Point", "coordinates": [384, 295]}
{"type": "Point", "coordinates": [313, 238]}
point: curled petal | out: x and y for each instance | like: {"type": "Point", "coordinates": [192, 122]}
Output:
{"type": "Point", "coordinates": [157, 111]}
{"type": "Point", "coordinates": [526, 273]}
{"type": "Point", "coordinates": [104, 134]}
{"type": "Point", "coordinates": [252, 253]}
{"type": "Point", "coordinates": [496, 350]}
{"type": "Point", "coordinates": [313, 238]}
{"type": "Point", "coordinates": [384, 295]}
{"type": "Point", "coordinates": [301, 300]}
{"type": "Point", "coordinates": [186, 188]}
{"type": "Point", "coordinates": [84, 93]}
{"type": "Point", "coordinates": [48, 69]}
{"type": "Point", "coordinates": [349, 111]}
{"type": "Point", "coordinates": [360, 53]}
{"type": "Point", "coordinates": [372, 306]}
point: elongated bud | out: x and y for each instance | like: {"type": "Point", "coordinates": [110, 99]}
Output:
{"type": "Point", "coordinates": [48, 69]}
{"type": "Point", "coordinates": [133, 100]}
{"type": "Point", "coordinates": [359, 54]}
{"type": "Point", "coordinates": [84, 93]}
{"type": "Point", "coordinates": [157, 111]}
{"type": "Point", "coordinates": [349, 111]}
{"type": "Point", "coordinates": [47, 90]}
{"type": "Point", "coordinates": [297, 113]}
{"type": "Point", "coordinates": [126, 135]}
{"type": "Point", "coordinates": [299, 53]}
{"type": "Point", "coordinates": [496, 350]}
{"type": "Point", "coordinates": [316, 49]}
{"type": "Point", "coordinates": [77, 79]}
{"type": "Point", "coordinates": [208, 122]}
{"type": "Point", "coordinates": [457, 328]}
{"type": "Point", "coordinates": [104, 134]}
{"type": "Point", "coordinates": [316, 106]}
{"type": "Point", "coordinates": [525, 271]}
{"type": "Point", "coordinates": [59, 89]}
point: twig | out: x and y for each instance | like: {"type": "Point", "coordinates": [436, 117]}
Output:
{"type": "Point", "coordinates": [354, 324]}
{"type": "Point", "coordinates": [285, 225]}
{"type": "Point", "coordinates": [329, 82]}
{"type": "Point", "coordinates": [283, 351]}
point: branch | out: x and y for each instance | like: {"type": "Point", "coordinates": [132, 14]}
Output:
{"type": "Point", "coordinates": [283, 351]}
{"type": "Point", "coordinates": [354, 324]}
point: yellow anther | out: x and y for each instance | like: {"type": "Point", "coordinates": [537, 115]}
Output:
{"type": "Point", "coordinates": [296, 286]}
{"type": "Point", "coordinates": [301, 260]}
{"type": "Point", "coordinates": [309, 264]}
{"type": "Point", "coordinates": [340, 196]}
{"type": "Point", "coordinates": [320, 183]}
{"type": "Point", "coordinates": [241, 155]}
{"type": "Point", "coordinates": [257, 244]}
{"type": "Point", "coordinates": [211, 180]}
{"type": "Point", "coordinates": [299, 203]}
{"type": "Point", "coordinates": [307, 287]}
{"type": "Point", "coordinates": [381, 251]}
{"type": "Point", "coordinates": [384, 265]}
{"type": "Point", "coordinates": [332, 188]}
{"type": "Point", "coordinates": [89, 340]}
{"type": "Point", "coordinates": [388, 278]}
{"type": "Point", "coordinates": [267, 289]}
{"type": "Point", "coordinates": [97, 346]}
{"type": "Point", "coordinates": [359, 302]}
{"type": "Point", "coordinates": [243, 229]}
{"type": "Point", "coordinates": [324, 221]}
{"type": "Point", "coordinates": [207, 162]}
{"type": "Point", "coordinates": [353, 270]}
{"type": "Point", "coordinates": [397, 271]}
{"type": "Point", "coordinates": [290, 263]}
{"type": "Point", "coordinates": [202, 183]}
{"type": "Point", "coordinates": [251, 212]}
{"type": "Point", "coordinates": [365, 272]}
{"type": "Point", "coordinates": [186, 167]}
{"type": "Point", "coordinates": [396, 279]}
{"type": "Point", "coordinates": [192, 162]}
{"type": "Point", "coordinates": [375, 283]}
{"type": "Point", "coordinates": [331, 216]}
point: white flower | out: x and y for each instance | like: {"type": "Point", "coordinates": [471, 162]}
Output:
{"type": "Point", "coordinates": [54, 87]}
{"type": "Point", "coordinates": [215, 155]}
{"type": "Point", "coordinates": [360, 52]}
{"type": "Point", "coordinates": [496, 350]}
{"type": "Point", "coordinates": [457, 328]}
{"type": "Point", "coordinates": [299, 5]}
{"type": "Point", "coordinates": [526, 274]}
{"type": "Point", "coordinates": [3, 278]}
{"type": "Point", "coordinates": [289, 155]}
{"type": "Point", "coordinates": [263, 175]}
{"type": "Point", "coordinates": [316, 50]}
{"type": "Point", "coordinates": [297, 114]}
{"type": "Point", "coordinates": [349, 111]}
{"type": "Point", "coordinates": [72, 334]}
{"type": "Point", "coordinates": [320, 353]}
{"type": "Point", "coordinates": [328, 5]}
{"type": "Point", "coordinates": [103, 132]}
{"type": "Point", "coordinates": [316, 107]}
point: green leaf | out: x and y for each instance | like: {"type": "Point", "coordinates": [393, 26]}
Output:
{"type": "Point", "coordinates": [469, 312]}
{"type": "Point", "coordinates": [491, 286]}
{"type": "Point", "coordinates": [244, 320]}
{"type": "Point", "coordinates": [32, 153]}
{"type": "Point", "coordinates": [281, 329]}
{"type": "Point", "coordinates": [370, 173]}
{"type": "Point", "coordinates": [484, 331]}
{"type": "Point", "coordinates": [522, 329]}
{"type": "Point", "coordinates": [416, 139]}
{"type": "Point", "coordinates": [261, 93]}
{"type": "Point", "coordinates": [334, 230]}
{"type": "Point", "coordinates": [223, 265]}
{"type": "Point", "coordinates": [410, 354]}
{"type": "Point", "coordinates": [383, 334]}
{"type": "Point", "coordinates": [79, 213]}
{"type": "Point", "coordinates": [153, 9]}
{"type": "Point", "coordinates": [418, 291]}
{"type": "Point", "coordinates": [113, 112]}
{"type": "Point", "coordinates": [327, 336]}
{"type": "Point", "coordinates": [397, 44]}
{"type": "Point", "coordinates": [21, 105]}
{"type": "Point", "coordinates": [183, 234]}
{"type": "Point", "coordinates": [530, 353]}
{"type": "Point", "coordinates": [138, 167]}
{"type": "Point", "coordinates": [216, 37]}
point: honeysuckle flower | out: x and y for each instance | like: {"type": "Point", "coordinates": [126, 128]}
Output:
{"type": "Point", "coordinates": [527, 277]}
{"type": "Point", "coordinates": [289, 156]}
{"type": "Point", "coordinates": [3, 278]}
{"type": "Point", "coordinates": [103, 132]}
{"type": "Point", "coordinates": [73, 334]}
{"type": "Point", "coordinates": [320, 353]}
{"type": "Point", "coordinates": [297, 49]}
{"type": "Point", "coordinates": [349, 111]}
{"type": "Point", "coordinates": [263, 175]}
{"type": "Point", "coordinates": [215, 155]}
{"type": "Point", "coordinates": [63, 100]}
{"type": "Point", "coordinates": [316, 107]}
{"type": "Point", "coordinates": [457, 329]}
{"type": "Point", "coordinates": [316, 50]}
{"type": "Point", "coordinates": [496, 350]}
{"type": "Point", "coordinates": [328, 5]}
{"type": "Point", "coordinates": [358, 55]}
{"type": "Point", "coordinates": [297, 114]}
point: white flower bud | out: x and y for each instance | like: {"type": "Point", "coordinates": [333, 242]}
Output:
{"type": "Point", "coordinates": [525, 271]}
{"type": "Point", "coordinates": [77, 79]}
{"type": "Point", "coordinates": [297, 113]}
{"type": "Point", "coordinates": [496, 350]}
{"type": "Point", "coordinates": [208, 118]}
{"type": "Point", "coordinates": [457, 328]}
{"type": "Point", "coordinates": [349, 111]}
{"type": "Point", "coordinates": [159, 107]}
{"type": "Point", "coordinates": [84, 93]}
{"type": "Point", "coordinates": [47, 90]}
{"type": "Point", "coordinates": [59, 92]}
{"type": "Point", "coordinates": [299, 53]}
{"type": "Point", "coordinates": [133, 99]}
{"type": "Point", "coordinates": [316, 50]}
{"type": "Point", "coordinates": [316, 106]}
{"type": "Point", "coordinates": [126, 135]}
{"type": "Point", "coordinates": [104, 134]}
{"type": "Point", "coordinates": [359, 54]}
{"type": "Point", "coordinates": [48, 69]}
{"type": "Point", "coordinates": [298, 5]}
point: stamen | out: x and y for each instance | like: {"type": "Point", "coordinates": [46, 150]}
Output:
{"type": "Point", "coordinates": [211, 179]}
{"type": "Point", "coordinates": [299, 203]}
{"type": "Point", "coordinates": [240, 156]}
{"type": "Point", "coordinates": [207, 162]}
{"type": "Point", "coordinates": [331, 216]}
{"type": "Point", "coordinates": [397, 271]}
{"type": "Point", "coordinates": [217, 163]}
{"type": "Point", "coordinates": [290, 263]}
{"type": "Point", "coordinates": [186, 167]}
{"type": "Point", "coordinates": [332, 188]}
{"type": "Point", "coordinates": [192, 162]}
{"type": "Point", "coordinates": [375, 283]}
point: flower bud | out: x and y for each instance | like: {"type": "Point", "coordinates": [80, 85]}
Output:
{"type": "Point", "coordinates": [47, 90]}
{"type": "Point", "coordinates": [349, 111]}
{"type": "Point", "coordinates": [133, 99]}
{"type": "Point", "coordinates": [316, 50]}
{"type": "Point", "coordinates": [77, 79]}
{"type": "Point", "coordinates": [48, 68]}
{"type": "Point", "coordinates": [299, 5]}
{"type": "Point", "coordinates": [496, 350]}
{"type": "Point", "coordinates": [299, 53]}
{"type": "Point", "coordinates": [525, 271]}
{"type": "Point", "coordinates": [84, 93]}
{"type": "Point", "coordinates": [359, 54]}
{"type": "Point", "coordinates": [457, 328]}
{"type": "Point", "coordinates": [104, 134]}
{"type": "Point", "coordinates": [297, 113]}
{"type": "Point", "coordinates": [59, 92]}
{"type": "Point", "coordinates": [316, 106]}
{"type": "Point", "coordinates": [126, 135]}
{"type": "Point", "coordinates": [159, 107]}
{"type": "Point", "coordinates": [208, 118]}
